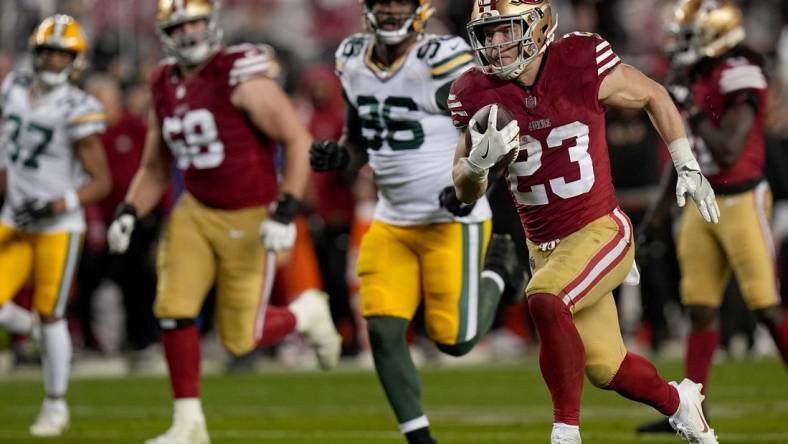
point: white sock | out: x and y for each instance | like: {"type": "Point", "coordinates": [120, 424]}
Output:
{"type": "Point", "coordinates": [188, 409]}
{"type": "Point", "coordinates": [56, 357]}
{"type": "Point", "coordinates": [16, 319]}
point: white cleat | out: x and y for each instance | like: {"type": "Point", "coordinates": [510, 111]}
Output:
{"type": "Point", "coordinates": [565, 434]}
{"type": "Point", "coordinates": [689, 421]}
{"type": "Point", "coordinates": [52, 420]}
{"type": "Point", "coordinates": [313, 320]}
{"type": "Point", "coordinates": [184, 432]}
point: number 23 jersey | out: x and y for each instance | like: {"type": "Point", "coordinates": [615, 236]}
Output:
{"type": "Point", "coordinates": [226, 162]}
{"type": "Point", "coordinates": [561, 178]}
{"type": "Point", "coordinates": [405, 124]}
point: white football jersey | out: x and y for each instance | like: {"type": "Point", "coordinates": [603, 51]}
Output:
{"type": "Point", "coordinates": [37, 146]}
{"type": "Point", "coordinates": [405, 124]}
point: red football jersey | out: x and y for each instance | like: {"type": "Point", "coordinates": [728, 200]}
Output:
{"type": "Point", "coordinates": [713, 90]}
{"type": "Point", "coordinates": [227, 163]}
{"type": "Point", "coordinates": [561, 179]}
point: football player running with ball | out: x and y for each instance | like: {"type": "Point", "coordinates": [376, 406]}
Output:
{"type": "Point", "coordinates": [579, 240]}
{"type": "Point", "coordinates": [54, 165]}
{"type": "Point", "coordinates": [728, 130]}
{"type": "Point", "coordinates": [217, 115]}
{"type": "Point", "coordinates": [396, 80]}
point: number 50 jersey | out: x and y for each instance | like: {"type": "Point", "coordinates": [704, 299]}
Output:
{"type": "Point", "coordinates": [37, 146]}
{"type": "Point", "coordinates": [405, 124]}
{"type": "Point", "coordinates": [226, 162]}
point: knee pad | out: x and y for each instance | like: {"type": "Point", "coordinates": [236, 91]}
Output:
{"type": "Point", "coordinates": [602, 373]}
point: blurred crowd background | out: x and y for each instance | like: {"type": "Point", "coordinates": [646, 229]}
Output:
{"type": "Point", "coordinates": [110, 306]}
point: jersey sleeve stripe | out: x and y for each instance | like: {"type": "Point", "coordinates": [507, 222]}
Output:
{"type": "Point", "coordinates": [90, 117]}
{"type": "Point", "coordinates": [607, 66]}
{"type": "Point", "coordinates": [240, 63]}
{"type": "Point", "coordinates": [604, 56]}
{"type": "Point", "coordinates": [602, 46]}
{"type": "Point", "coordinates": [742, 77]}
{"type": "Point", "coordinates": [450, 58]}
{"type": "Point", "coordinates": [451, 66]}
{"type": "Point", "coordinates": [459, 69]}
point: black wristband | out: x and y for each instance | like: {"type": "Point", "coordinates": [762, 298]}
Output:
{"type": "Point", "coordinates": [125, 208]}
{"type": "Point", "coordinates": [286, 208]}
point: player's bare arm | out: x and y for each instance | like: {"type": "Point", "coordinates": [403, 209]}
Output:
{"type": "Point", "coordinates": [94, 161]}
{"type": "Point", "coordinates": [626, 87]}
{"type": "Point", "coordinates": [727, 142]}
{"type": "Point", "coordinates": [153, 177]}
{"type": "Point", "coordinates": [276, 117]}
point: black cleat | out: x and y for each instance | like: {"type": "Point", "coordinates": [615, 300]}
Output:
{"type": "Point", "coordinates": [661, 426]}
{"type": "Point", "coordinates": [502, 260]}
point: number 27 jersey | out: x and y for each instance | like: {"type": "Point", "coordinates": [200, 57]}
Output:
{"type": "Point", "coordinates": [561, 178]}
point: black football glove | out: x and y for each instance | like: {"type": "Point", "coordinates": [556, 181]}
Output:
{"type": "Point", "coordinates": [327, 155]}
{"type": "Point", "coordinates": [33, 211]}
{"type": "Point", "coordinates": [448, 199]}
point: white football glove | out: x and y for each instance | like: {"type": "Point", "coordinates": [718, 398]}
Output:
{"type": "Point", "coordinates": [491, 146]}
{"type": "Point", "coordinates": [692, 182]}
{"type": "Point", "coordinates": [119, 233]}
{"type": "Point", "coordinates": [277, 236]}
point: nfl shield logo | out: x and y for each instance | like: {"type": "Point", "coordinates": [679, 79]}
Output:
{"type": "Point", "coordinates": [530, 102]}
{"type": "Point", "coordinates": [180, 92]}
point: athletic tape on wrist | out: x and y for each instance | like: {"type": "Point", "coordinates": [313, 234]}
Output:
{"type": "Point", "coordinates": [681, 152]}
{"type": "Point", "coordinates": [71, 201]}
{"type": "Point", "coordinates": [473, 172]}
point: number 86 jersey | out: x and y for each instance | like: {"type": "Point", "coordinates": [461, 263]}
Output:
{"type": "Point", "coordinates": [402, 119]}
{"type": "Point", "coordinates": [561, 178]}
{"type": "Point", "coordinates": [226, 162]}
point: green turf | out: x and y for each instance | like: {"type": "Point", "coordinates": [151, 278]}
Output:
{"type": "Point", "coordinates": [501, 404]}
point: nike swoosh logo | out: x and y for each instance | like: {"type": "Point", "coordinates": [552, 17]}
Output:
{"type": "Point", "coordinates": [486, 152]}
{"type": "Point", "coordinates": [705, 426]}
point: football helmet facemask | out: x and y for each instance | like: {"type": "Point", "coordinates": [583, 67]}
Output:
{"type": "Point", "coordinates": [415, 23]}
{"type": "Point", "coordinates": [532, 25]}
{"type": "Point", "coordinates": [193, 48]}
{"type": "Point", "coordinates": [59, 32]}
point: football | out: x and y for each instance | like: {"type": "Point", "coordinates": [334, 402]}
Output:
{"type": "Point", "coordinates": [481, 119]}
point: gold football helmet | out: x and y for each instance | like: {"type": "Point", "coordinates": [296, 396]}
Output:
{"type": "Point", "coordinates": [532, 25]}
{"type": "Point", "coordinates": [719, 27]}
{"type": "Point", "coordinates": [703, 28]}
{"type": "Point", "coordinates": [189, 50]}
{"type": "Point", "coordinates": [414, 24]}
{"type": "Point", "coordinates": [60, 32]}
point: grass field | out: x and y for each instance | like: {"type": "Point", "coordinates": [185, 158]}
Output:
{"type": "Point", "coordinates": [500, 404]}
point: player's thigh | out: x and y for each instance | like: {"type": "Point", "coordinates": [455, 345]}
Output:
{"type": "Point", "coordinates": [55, 261]}
{"type": "Point", "coordinates": [452, 256]}
{"type": "Point", "coordinates": [185, 264]}
{"type": "Point", "coordinates": [746, 236]}
{"type": "Point", "coordinates": [585, 265]}
{"type": "Point", "coordinates": [703, 263]}
{"type": "Point", "coordinates": [16, 260]}
{"type": "Point", "coordinates": [599, 330]}
{"type": "Point", "coordinates": [390, 282]}
{"type": "Point", "coordinates": [240, 269]}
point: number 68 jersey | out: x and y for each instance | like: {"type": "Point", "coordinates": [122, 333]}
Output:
{"type": "Point", "coordinates": [37, 146]}
{"type": "Point", "coordinates": [226, 162]}
{"type": "Point", "coordinates": [561, 178]}
{"type": "Point", "coordinates": [404, 123]}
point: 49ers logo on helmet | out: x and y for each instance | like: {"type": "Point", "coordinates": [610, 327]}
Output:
{"type": "Point", "coordinates": [487, 6]}
{"type": "Point", "coordinates": [526, 2]}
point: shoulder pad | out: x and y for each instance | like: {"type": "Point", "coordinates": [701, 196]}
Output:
{"type": "Point", "coordinates": [84, 108]}
{"type": "Point", "coordinates": [447, 56]}
{"type": "Point", "coordinates": [247, 61]}
{"type": "Point", "coordinates": [739, 73]}
{"type": "Point", "coordinates": [350, 48]}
